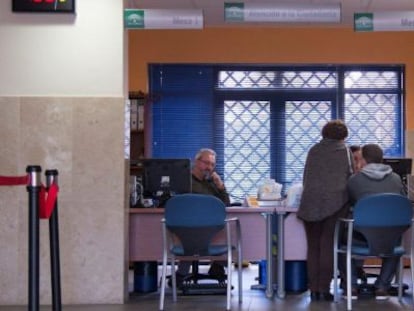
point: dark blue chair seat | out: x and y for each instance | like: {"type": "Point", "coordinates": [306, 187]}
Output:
{"type": "Point", "coordinates": [191, 223]}
{"type": "Point", "coordinates": [381, 219]}
{"type": "Point", "coordinates": [365, 252]}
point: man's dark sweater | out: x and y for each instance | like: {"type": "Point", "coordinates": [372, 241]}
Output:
{"type": "Point", "coordinates": [208, 187]}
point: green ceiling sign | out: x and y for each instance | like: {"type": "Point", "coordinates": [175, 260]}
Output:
{"type": "Point", "coordinates": [363, 21]}
{"type": "Point", "coordinates": [163, 19]}
{"type": "Point", "coordinates": [134, 18]}
{"type": "Point", "coordinates": [281, 12]}
{"type": "Point", "coordinates": [384, 21]}
{"type": "Point", "coordinates": [233, 12]}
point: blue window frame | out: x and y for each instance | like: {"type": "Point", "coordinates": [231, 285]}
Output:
{"type": "Point", "coordinates": [261, 120]}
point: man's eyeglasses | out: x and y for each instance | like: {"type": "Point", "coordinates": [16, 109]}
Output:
{"type": "Point", "coordinates": [207, 162]}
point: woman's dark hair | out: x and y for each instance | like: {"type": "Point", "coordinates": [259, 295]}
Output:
{"type": "Point", "coordinates": [354, 148]}
{"type": "Point", "coordinates": [335, 129]}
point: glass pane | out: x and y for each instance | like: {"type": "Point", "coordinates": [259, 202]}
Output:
{"type": "Point", "coordinates": [309, 79]}
{"type": "Point", "coordinates": [277, 79]}
{"type": "Point", "coordinates": [304, 121]}
{"type": "Point", "coordinates": [374, 118]}
{"type": "Point", "coordinates": [247, 146]}
{"type": "Point", "coordinates": [371, 79]}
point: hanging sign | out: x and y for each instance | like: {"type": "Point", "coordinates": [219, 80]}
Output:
{"type": "Point", "coordinates": [163, 19]}
{"type": "Point", "coordinates": [384, 21]}
{"type": "Point", "coordinates": [284, 13]}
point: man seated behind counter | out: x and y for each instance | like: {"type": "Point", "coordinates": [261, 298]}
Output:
{"type": "Point", "coordinates": [375, 177]}
{"type": "Point", "coordinates": [205, 181]}
{"type": "Point", "coordinates": [204, 178]}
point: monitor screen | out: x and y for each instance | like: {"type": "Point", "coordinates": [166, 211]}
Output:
{"type": "Point", "coordinates": [161, 175]}
{"type": "Point", "coordinates": [401, 166]}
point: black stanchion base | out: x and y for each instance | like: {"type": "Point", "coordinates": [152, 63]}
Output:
{"type": "Point", "coordinates": [204, 289]}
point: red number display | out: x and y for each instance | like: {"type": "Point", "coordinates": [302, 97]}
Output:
{"type": "Point", "coordinates": [58, 6]}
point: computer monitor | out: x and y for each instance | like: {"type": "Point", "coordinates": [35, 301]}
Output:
{"type": "Point", "coordinates": [163, 178]}
{"type": "Point", "coordinates": [401, 166]}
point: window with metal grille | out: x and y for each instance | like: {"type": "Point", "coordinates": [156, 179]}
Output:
{"type": "Point", "coordinates": [247, 156]}
{"type": "Point", "coordinates": [373, 109]}
{"type": "Point", "coordinates": [303, 123]}
{"type": "Point", "coordinates": [262, 121]}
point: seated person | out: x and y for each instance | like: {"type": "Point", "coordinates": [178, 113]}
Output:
{"type": "Point", "coordinates": [205, 181]}
{"type": "Point", "coordinates": [357, 157]}
{"type": "Point", "coordinates": [356, 151]}
{"type": "Point", "coordinates": [374, 177]}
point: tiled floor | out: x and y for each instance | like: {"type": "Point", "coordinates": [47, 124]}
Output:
{"type": "Point", "coordinates": [253, 300]}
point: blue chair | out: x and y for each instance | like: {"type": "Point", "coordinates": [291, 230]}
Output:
{"type": "Point", "coordinates": [191, 221]}
{"type": "Point", "coordinates": [382, 219]}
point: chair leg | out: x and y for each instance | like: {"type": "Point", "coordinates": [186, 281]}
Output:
{"type": "Point", "coordinates": [229, 272]}
{"type": "Point", "coordinates": [173, 279]}
{"type": "Point", "coordinates": [240, 278]}
{"type": "Point", "coordinates": [348, 282]}
{"type": "Point", "coordinates": [163, 283]}
{"type": "Point", "coordinates": [335, 275]}
{"type": "Point", "coordinates": [412, 272]}
{"type": "Point", "coordinates": [400, 277]}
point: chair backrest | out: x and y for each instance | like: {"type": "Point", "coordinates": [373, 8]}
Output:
{"type": "Point", "coordinates": [382, 219]}
{"type": "Point", "coordinates": [195, 219]}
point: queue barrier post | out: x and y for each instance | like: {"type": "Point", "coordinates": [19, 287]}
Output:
{"type": "Point", "coordinates": [33, 189]}
{"type": "Point", "coordinates": [52, 177]}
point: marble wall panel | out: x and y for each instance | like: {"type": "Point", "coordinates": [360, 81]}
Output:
{"type": "Point", "coordinates": [83, 138]}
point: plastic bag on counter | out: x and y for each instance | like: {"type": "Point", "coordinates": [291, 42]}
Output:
{"type": "Point", "coordinates": [294, 194]}
{"type": "Point", "coordinates": [269, 190]}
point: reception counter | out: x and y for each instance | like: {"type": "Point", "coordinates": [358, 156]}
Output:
{"type": "Point", "coordinates": [145, 240]}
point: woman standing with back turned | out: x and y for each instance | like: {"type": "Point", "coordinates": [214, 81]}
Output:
{"type": "Point", "coordinates": [324, 199]}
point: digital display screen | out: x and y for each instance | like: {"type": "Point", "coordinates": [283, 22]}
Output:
{"type": "Point", "coordinates": [52, 6]}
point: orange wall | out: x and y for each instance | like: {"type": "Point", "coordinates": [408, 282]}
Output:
{"type": "Point", "coordinates": [271, 46]}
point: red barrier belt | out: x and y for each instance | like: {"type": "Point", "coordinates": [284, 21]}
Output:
{"type": "Point", "coordinates": [47, 200]}
{"type": "Point", "coordinates": [14, 180]}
